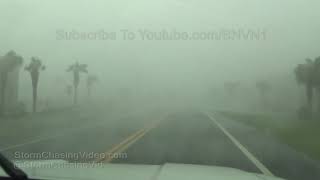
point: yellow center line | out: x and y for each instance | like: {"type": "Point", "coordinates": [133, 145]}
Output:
{"type": "Point", "coordinates": [122, 143]}
{"type": "Point", "coordinates": [126, 146]}
{"type": "Point", "coordinates": [126, 143]}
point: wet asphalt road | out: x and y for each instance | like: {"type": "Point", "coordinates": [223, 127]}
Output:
{"type": "Point", "coordinates": [187, 139]}
{"type": "Point", "coordinates": [184, 137]}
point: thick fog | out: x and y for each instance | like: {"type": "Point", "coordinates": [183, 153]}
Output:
{"type": "Point", "coordinates": [162, 71]}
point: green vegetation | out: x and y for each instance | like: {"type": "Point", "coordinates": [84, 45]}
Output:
{"type": "Point", "coordinates": [34, 68]}
{"type": "Point", "coordinates": [308, 74]}
{"type": "Point", "coordinates": [76, 69]}
{"type": "Point", "coordinates": [8, 63]}
{"type": "Point", "coordinates": [300, 135]}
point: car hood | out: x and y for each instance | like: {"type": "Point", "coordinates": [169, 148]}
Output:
{"type": "Point", "coordinates": [60, 169]}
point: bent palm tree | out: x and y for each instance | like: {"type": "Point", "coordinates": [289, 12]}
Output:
{"type": "Point", "coordinates": [76, 69]}
{"type": "Point", "coordinates": [34, 68]}
{"type": "Point", "coordinates": [8, 63]}
{"type": "Point", "coordinates": [317, 79]}
{"type": "Point", "coordinates": [305, 75]}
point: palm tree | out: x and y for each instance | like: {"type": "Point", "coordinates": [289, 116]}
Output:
{"type": "Point", "coordinates": [8, 63]}
{"type": "Point", "coordinates": [76, 69]}
{"type": "Point", "coordinates": [91, 80]}
{"type": "Point", "coordinates": [263, 88]}
{"type": "Point", "coordinates": [305, 75]}
{"type": "Point", "coordinates": [34, 68]}
{"type": "Point", "coordinates": [317, 79]}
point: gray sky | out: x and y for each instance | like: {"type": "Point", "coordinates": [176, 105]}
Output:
{"type": "Point", "coordinates": [292, 34]}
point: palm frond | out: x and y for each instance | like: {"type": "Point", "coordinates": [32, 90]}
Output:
{"type": "Point", "coordinates": [70, 68]}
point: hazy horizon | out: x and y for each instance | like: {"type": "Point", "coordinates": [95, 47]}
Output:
{"type": "Point", "coordinates": [290, 30]}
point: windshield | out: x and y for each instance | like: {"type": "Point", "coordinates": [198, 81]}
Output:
{"type": "Point", "coordinates": [217, 83]}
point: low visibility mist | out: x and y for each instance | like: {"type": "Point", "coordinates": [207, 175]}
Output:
{"type": "Point", "coordinates": [189, 82]}
{"type": "Point", "coordinates": [163, 53]}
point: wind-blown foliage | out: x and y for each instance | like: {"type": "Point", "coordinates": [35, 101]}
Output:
{"type": "Point", "coordinates": [307, 74]}
{"type": "Point", "coordinates": [316, 79]}
{"type": "Point", "coordinates": [76, 69]}
{"type": "Point", "coordinates": [34, 68]}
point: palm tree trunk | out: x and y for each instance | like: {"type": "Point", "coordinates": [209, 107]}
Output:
{"type": "Point", "coordinates": [89, 92]}
{"type": "Point", "coordinates": [34, 103]}
{"type": "Point", "coordinates": [309, 91]}
{"type": "Point", "coordinates": [34, 79]}
{"type": "Point", "coordinates": [318, 89]}
{"type": "Point", "coordinates": [76, 79]}
{"type": "Point", "coordinates": [75, 95]}
{"type": "Point", "coordinates": [2, 100]}
{"type": "Point", "coordinates": [4, 77]}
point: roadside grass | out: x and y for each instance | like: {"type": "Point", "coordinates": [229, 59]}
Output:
{"type": "Point", "coordinates": [44, 123]}
{"type": "Point", "coordinates": [32, 124]}
{"type": "Point", "coordinates": [298, 134]}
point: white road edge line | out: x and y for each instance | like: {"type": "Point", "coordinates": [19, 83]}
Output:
{"type": "Point", "coordinates": [249, 155]}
